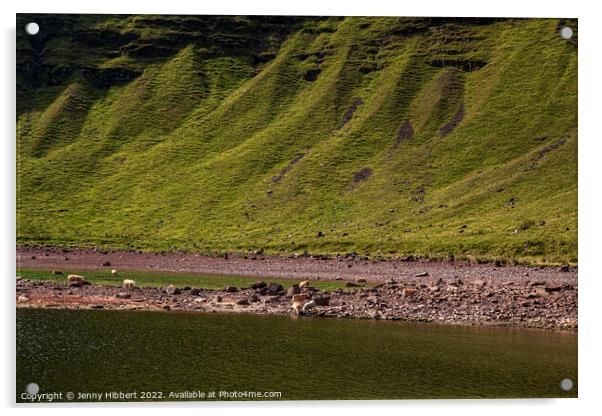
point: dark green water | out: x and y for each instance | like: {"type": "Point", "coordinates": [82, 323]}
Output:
{"type": "Point", "coordinates": [100, 351]}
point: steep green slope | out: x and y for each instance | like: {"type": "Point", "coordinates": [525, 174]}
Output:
{"type": "Point", "coordinates": [383, 136]}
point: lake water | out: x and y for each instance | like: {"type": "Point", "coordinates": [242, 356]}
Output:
{"type": "Point", "coordinates": [133, 351]}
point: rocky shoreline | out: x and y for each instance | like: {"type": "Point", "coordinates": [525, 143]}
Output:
{"type": "Point", "coordinates": [423, 298]}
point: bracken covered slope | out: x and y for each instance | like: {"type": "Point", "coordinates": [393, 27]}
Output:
{"type": "Point", "coordinates": [382, 136]}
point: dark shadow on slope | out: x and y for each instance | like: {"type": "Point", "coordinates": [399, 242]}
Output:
{"type": "Point", "coordinates": [287, 168]}
{"type": "Point", "coordinates": [453, 123]}
{"type": "Point", "coordinates": [349, 114]}
{"type": "Point", "coordinates": [405, 132]}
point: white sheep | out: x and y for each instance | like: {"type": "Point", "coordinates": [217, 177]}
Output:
{"type": "Point", "coordinates": [308, 306]}
{"type": "Point", "coordinates": [129, 283]}
{"type": "Point", "coordinates": [298, 301]}
{"type": "Point", "coordinates": [75, 278]}
{"type": "Point", "coordinates": [304, 283]}
{"type": "Point", "coordinates": [114, 272]}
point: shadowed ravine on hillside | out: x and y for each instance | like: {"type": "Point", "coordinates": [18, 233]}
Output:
{"type": "Point", "coordinates": [382, 136]}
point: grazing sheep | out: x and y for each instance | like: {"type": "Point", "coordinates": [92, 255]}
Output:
{"type": "Point", "coordinates": [298, 301]}
{"type": "Point", "coordinates": [114, 272]}
{"type": "Point", "coordinates": [360, 281]}
{"type": "Point", "coordinates": [75, 278]}
{"type": "Point", "coordinates": [304, 283]}
{"type": "Point", "coordinates": [129, 284]}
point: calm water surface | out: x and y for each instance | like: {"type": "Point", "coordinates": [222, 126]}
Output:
{"type": "Point", "coordinates": [101, 351]}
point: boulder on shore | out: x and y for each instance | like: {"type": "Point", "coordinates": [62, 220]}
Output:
{"type": "Point", "coordinates": [321, 300]}
{"type": "Point", "coordinates": [274, 288]}
{"type": "Point", "coordinates": [258, 285]}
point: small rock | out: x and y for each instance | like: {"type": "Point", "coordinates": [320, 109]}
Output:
{"type": "Point", "coordinates": [107, 263]}
{"type": "Point", "coordinates": [565, 268]}
{"type": "Point", "coordinates": [230, 289]}
{"type": "Point", "coordinates": [218, 298]}
{"type": "Point", "coordinates": [253, 298]}
{"type": "Point", "coordinates": [57, 272]}
{"type": "Point", "coordinates": [243, 301]}
{"type": "Point", "coordinates": [123, 295]}
{"type": "Point", "coordinates": [498, 263]}
{"type": "Point", "coordinates": [423, 274]}
{"type": "Point", "coordinates": [195, 291]}
{"type": "Point", "coordinates": [351, 284]}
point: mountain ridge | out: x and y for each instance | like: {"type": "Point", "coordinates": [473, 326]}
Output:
{"type": "Point", "coordinates": [389, 136]}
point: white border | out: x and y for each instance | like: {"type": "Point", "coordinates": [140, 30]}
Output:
{"type": "Point", "coordinates": [590, 215]}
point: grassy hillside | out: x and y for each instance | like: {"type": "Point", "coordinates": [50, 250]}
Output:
{"type": "Point", "coordinates": [383, 136]}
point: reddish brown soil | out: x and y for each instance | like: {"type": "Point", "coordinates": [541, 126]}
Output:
{"type": "Point", "coordinates": [283, 267]}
